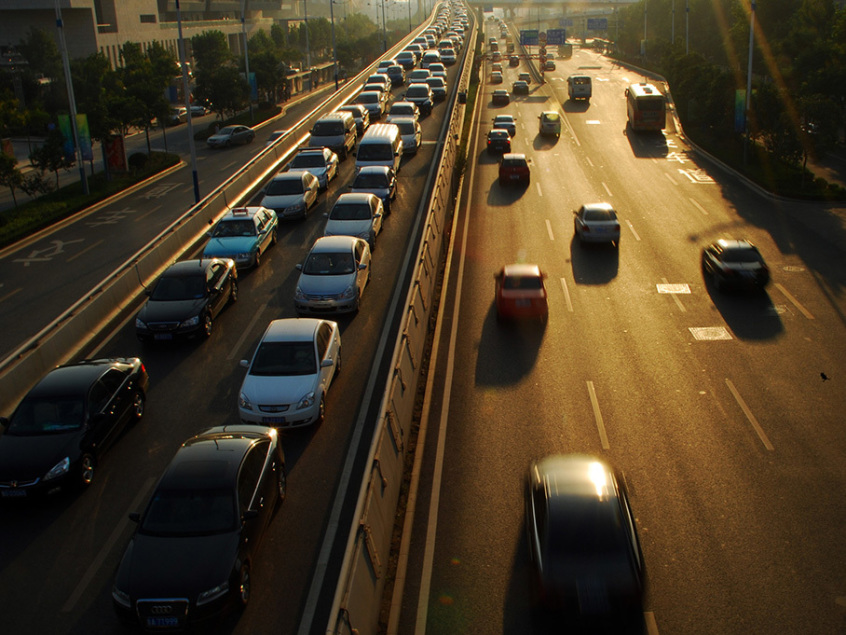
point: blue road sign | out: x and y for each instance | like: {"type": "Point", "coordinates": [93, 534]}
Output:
{"type": "Point", "coordinates": [556, 36]}
{"type": "Point", "coordinates": [597, 24]}
{"type": "Point", "coordinates": [529, 37]}
{"type": "Point", "coordinates": [565, 21]}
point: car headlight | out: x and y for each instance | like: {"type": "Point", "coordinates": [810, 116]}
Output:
{"type": "Point", "coordinates": [298, 294]}
{"type": "Point", "coordinates": [349, 292]}
{"type": "Point", "coordinates": [121, 597]}
{"type": "Point", "coordinates": [194, 321]}
{"type": "Point", "coordinates": [306, 402]}
{"type": "Point", "coordinates": [244, 402]}
{"type": "Point", "coordinates": [296, 207]}
{"type": "Point", "coordinates": [139, 324]}
{"type": "Point", "coordinates": [365, 235]}
{"type": "Point", "coordinates": [59, 469]}
{"type": "Point", "coordinates": [244, 255]}
{"type": "Point", "coordinates": [212, 594]}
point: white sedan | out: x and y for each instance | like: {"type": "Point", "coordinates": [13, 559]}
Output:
{"type": "Point", "coordinates": [290, 372]}
{"type": "Point", "coordinates": [597, 223]}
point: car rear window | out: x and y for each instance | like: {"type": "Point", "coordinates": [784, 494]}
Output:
{"type": "Point", "coordinates": [514, 163]}
{"type": "Point", "coordinates": [281, 187]}
{"type": "Point", "coordinates": [284, 358]}
{"type": "Point", "coordinates": [350, 211]}
{"type": "Point", "coordinates": [327, 128]}
{"type": "Point", "coordinates": [600, 215]}
{"type": "Point", "coordinates": [741, 254]}
{"type": "Point", "coordinates": [364, 180]}
{"type": "Point", "coordinates": [522, 282]}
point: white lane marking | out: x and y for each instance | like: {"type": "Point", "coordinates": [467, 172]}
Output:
{"type": "Point", "coordinates": [794, 301]}
{"type": "Point", "coordinates": [675, 298]}
{"type": "Point", "coordinates": [751, 417]}
{"type": "Point", "coordinates": [107, 547]}
{"type": "Point", "coordinates": [79, 253]}
{"type": "Point", "coordinates": [549, 230]}
{"type": "Point", "coordinates": [537, 185]}
{"type": "Point", "coordinates": [607, 189]}
{"type": "Point", "coordinates": [597, 414]}
{"type": "Point", "coordinates": [629, 223]}
{"type": "Point", "coordinates": [673, 288]}
{"type": "Point", "coordinates": [567, 295]}
{"type": "Point", "coordinates": [10, 294]}
{"type": "Point", "coordinates": [699, 207]}
{"type": "Point", "coordinates": [651, 624]}
{"type": "Point", "coordinates": [590, 163]}
{"type": "Point", "coordinates": [670, 179]}
{"type": "Point", "coordinates": [593, 122]}
{"type": "Point", "coordinates": [247, 331]}
{"type": "Point", "coordinates": [709, 333]}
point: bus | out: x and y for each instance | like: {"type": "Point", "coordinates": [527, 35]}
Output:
{"type": "Point", "coordinates": [646, 107]}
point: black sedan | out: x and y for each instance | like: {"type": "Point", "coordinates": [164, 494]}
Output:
{"type": "Point", "coordinates": [735, 264]}
{"type": "Point", "coordinates": [186, 299]}
{"type": "Point", "coordinates": [499, 141]}
{"type": "Point", "coordinates": [192, 552]}
{"type": "Point", "coordinates": [500, 97]}
{"type": "Point", "coordinates": [520, 87]}
{"type": "Point", "coordinates": [583, 543]}
{"type": "Point", "coordinates": [57, 434]}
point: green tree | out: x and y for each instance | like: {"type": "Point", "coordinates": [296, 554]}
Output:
{"type": "Point", "coordinates": [10, 175]}
{"type": "Point", "coordinates": [50, 157]}
{"type": "Point", "coordinates": [225, 89]}
{"type": "Point", "coordinates": [210, 51]}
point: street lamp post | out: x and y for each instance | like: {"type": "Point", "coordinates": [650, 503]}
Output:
{"type": "Point", "coordinates": [749, 79]}
{"type": "Point", "coordinates": [186, 94]}
{"type": "Point", "coordinates": [308, 48]}
{"type": "Point", "coordinates": [334, 49]}
{"type": "Point", "coordinates": [384, 30]}
{"type": "Point", "coordinates": [246, 55]}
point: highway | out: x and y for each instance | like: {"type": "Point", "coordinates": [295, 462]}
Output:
{"type": "Point", "coordinates": [59, 555]}
{"type": "Point", "coordinates": [711, 406]}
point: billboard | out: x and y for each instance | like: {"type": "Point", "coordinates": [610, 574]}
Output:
{"type": "Point", "coordinates": [529, 37]}
{"type": "Point", "coordinates": [597, 24]}
{"type": "Point", "coordinates": [556, 36]}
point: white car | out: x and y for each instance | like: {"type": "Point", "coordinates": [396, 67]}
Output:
{"type": "Point", "coordinates": [358, 215]}
{"type": "Point", "coordinates": [290, 372]}
{"type": "Point", "coordinates": [410, 131]}
{"type": "Point", "coordinates": [506, 122]}
{"type": "Point", "coordinates": [321, 162]}
{"type": "Point", "coordinates": [333, 276]}
{"type": "Point", "coordinates": [597, 223]}
{"type": "Point", "coordinates": [291, 194]}
{"type": "Point", "coordinates": [404, 109]}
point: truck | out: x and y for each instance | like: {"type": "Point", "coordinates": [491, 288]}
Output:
{"type": "Point", "coordinates": [565, 51]}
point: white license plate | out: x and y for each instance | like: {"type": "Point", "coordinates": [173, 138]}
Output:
{"type": "Point", "coordinates": [14, 493]}
{"type": "Point", "coordinates": [163, 336]}
{"type": "Point", "coordinates": [273, 419]}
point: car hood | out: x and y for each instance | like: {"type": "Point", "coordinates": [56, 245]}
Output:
{"type": "Point", "coordinates": [381, 192]}
{"type": "Point", "coordinates": [230, 245]}
{"type": "Point", "coordinates": [162, 566]}
{"type": "Point", "coordinates": [282, 201]}
{"type": "Point", "coordinates": [176, 310]}
{"type": "Point", "coordinates": [318, 172]}
{"type": "Point", "coordinates": [347, 227]}
{"type": "Point", "coordinates": [217, 138]}
{"type": "Point", "coordinates": [325, 285]}
{"type": "Point", "coordinates": [274, 390]}
{"type": "Point", "coordinates": [743, 266]}
{"type": "Point", "coordinates": [24, 458]}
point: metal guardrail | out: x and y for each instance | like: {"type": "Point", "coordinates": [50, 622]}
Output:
{"type": "Point", "coordinates": [358, 597]}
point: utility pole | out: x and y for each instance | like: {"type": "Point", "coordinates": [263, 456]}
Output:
{"type": "Point", "coordinates": [246, 55]}
{"type": "Point", "coordinates": [186, 94]}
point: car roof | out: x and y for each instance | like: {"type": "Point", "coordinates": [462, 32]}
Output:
{"type": "Point", "coordinates": [71, 379]}
{"type": "Point", "coordinates": [333, 244]}
{"type": "Point", "coordinates": [522, 270]}
{"type": "Point", "coordinates": [188, 266]}
{"type": "Point", "coordinates": [516, 156]}
{"type": "Point", "coordinates": [375, 169]}
{"type": "Point", "coordinates": [291, 329]}
{"type": "Point", "coordinates": [244, 212]}
{"type": "Point", "coordinates": [504, 118]}
{"type": "Point", "coordinates": [727, 244]}
{"type": "Point", "coordinates": [499, 132]}
{"type": "Point", "coordinates": [605, 207]}
{"type": "Point", "coordinates": [575, 476]}
{"type": "Point", "coordinates": [354, 198]}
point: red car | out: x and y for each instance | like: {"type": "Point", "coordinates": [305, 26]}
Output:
{"type": "Point", "coordinates": [521, 292]}
{"type": "Point", "coordinates": [514, 169]}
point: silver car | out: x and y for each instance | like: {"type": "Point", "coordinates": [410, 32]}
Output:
{"type": "Point", "coordinates": [358, 215]}
{"type": "Point", "coordinates": [291, 194]}
{"type": "Point", "coordinates": [333, 276]}
{"type": "Point", "coordinates": [321, 162]}
{"type": "Point", "coordinates": [597, 223]}
{"type": "Point", "coordinates": [410, 131]}
{"type": "Point", "coordinates": [230, 136]}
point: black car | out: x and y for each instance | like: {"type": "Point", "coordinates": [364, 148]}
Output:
{"type": "Point", "coordinates": [735, 264]}
{"type": "Point", "coordinates": [520, 87]}
{"type": "Point", "coordinates": [186, 299]}
{"type": "Point", "coordinates": [57, 434]}
{"type": "Point", "coordinates": [500, 97]}
{"type": "Point", "coordinates": [196, 542]}
{"type": "Point", "coordinates": [421, 95]}
{"type": "Point", "coordinates": [379, 180]}
{"type": "Point", "coordinates": [499, 141]}
{"type": "Point", "coordinates": [583, 543]}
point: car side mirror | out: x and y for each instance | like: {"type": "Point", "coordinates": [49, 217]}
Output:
{"type": "Point", "coordinates": [135, 517]}
{"type": "Point", "coordinates": [362, 266]}
{"type": "Point", "coordinates": [244, 363]}
{"type": "Point", "coordinates": [326, 363]}
{"type": "Point", "coordinates": [250, 514]}
{"type": "Point", "coordinates": [298, 266]}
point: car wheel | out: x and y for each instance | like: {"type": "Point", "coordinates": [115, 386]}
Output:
{"type": "Point", "coordinates": [87, 465]}
{"type": "Point", "coordinates": [244, 583]}
{"type": "Point", "coordinates": [138, 402]}
{"type": "Point", "coordinates": [321, 411]}
{"type": "Point", "coordinates": [207, 325]}
{"type": "Point", "coordinates": [281, 483]}
{"type": "Point", "coordinates": [338, 362]}
{"type": "Point", "coordinates": [274, 237]}
{"type": "Point", "coordinates": [258, 258]}
{"type": "Point", "coordinates": [233, 292]}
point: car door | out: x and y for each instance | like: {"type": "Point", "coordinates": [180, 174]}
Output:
{"type": "Point", "coordinates": [254, 503]}
{"type": "Point", "coordinates": [376, 214]}
{"type": "Point", "coordinates": [323, 339]}
{"type": "Point", "coordinates": [262, 221]}
{"type": "Point", "coordinates": [215, 283]}
{"type": "Point", "coordinates": [109, 407]}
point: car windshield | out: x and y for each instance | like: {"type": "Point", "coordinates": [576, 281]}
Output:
{"type": "Point", "coordinates": [522, 282]}
{"type": "Point", "coordinates": [229, 228]}
{"type": "Point", "coordinates": [47, 415]}
{"type": "Point", "coordinates": [228, 130]}
{"type": "Point", "coordinates": [176, 288]}
{"type": "Point", "coordinates": [417, 91]}
{"type": "Point", "coordinates": [308, 160]}
{"type": "Point", "coordinates": [406, 127]}
{"type": "Point", "coordinates": [741, 254]}
{"type": "Point", "coordinates": [282, 359]}
{"type": "Point", "coordinates": [498, 134]}
{"type": "Point", "coordinates": [364, 180]}
{"type": "Point", "coordinates": [281, 187]}
{"type": "Point", "coordinates": [589, 528]}
{"type": "Point", "coordinates": [551, 116]}
{"type": "Point", "coordinates": [600, 215]}
{"type": "Point", "coordinates": [368, 98]}
{"type": "Point", "coordinates": [326, 264]}
{"type": "Point", "coordinates": [327, 128]}
{"type": "Point", "coordinates": [190, 512]}
{"type": "Point", "coordinates": [350, 211]}
{"type": "Point", "coordinates": [375, 152]}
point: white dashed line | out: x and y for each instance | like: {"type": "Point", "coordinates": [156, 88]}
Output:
{"type": "Point", "coordinates": [597, 414]}
{"type": "Point", "coordinates": [549, 230]}
{"type": "Point", "coordinates": [629, 223]}
{"type": "Point", "coordinates": [751, 418]}
{"type": "Point", "coordinates": [567, 295]}
{"type": "Point", "coordinates": [670, 178]}
{"type": "Point", "coordinates": [607, 189]}
{"type": "Point", "coordinates": [537, 185]}
{"type": "Point", "coordinates": [794, 301]}
{"type": "Point", "coordinates": [699, 207]}
{"type": "Point", "coordinates": [674, 295]}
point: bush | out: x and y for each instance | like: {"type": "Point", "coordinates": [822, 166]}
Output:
{"type": "Point", "coordinates": [137, 161]}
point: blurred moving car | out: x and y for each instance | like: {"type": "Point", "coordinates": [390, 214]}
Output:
{"type": "Point", "coordinates": [496, 77]}
{"type": "Point", "coordinates": [549, 123]}
{"type": "Point", "coordinates": [333, 276]}
{"type": "Point", "coordinates": [243, 234]}
{"type": "Point", "coordinates": [513, 60]}
{"type": "Point", "coordinates": [358, 215]}
{"type": "Point", "coordinates": [597, 223]}
{"type": "Point", "coordinates": [290, 373]}
{"type": "Point", "coordinates": [291, 194]}
{"type": "Point", "coordinates": [231, 135]}
{"type": "Point", "coordinates": [500, 97]}
{"type": "Point", "coordinates": [506, 122]}
{"type": "Point", "coordinates": [549, 65]}
{"type": "Point", "coordinates": [583, 544]}
{"type": "Point", "coordinates": [186, 299]}
{"type": "Point", "coordinates": [57, 434]}
{"type": "Point", "coordinates": [321, 162]}
{"type": "Point", "coordinates": [525, 77]}
{"type": "Point", "coordinates": [276, 134]}
{"type": "Point", "coordinates": [521, 293]}
{"type": "Point", "coordinates": [379, 180]}
{"type": "Point", "coordinates": [520, 88]}
{"type": "Point", "coordinates": [499, 141]}
{"type": "Point", "coordinates": [735, 264]}
{"type": "Point", "coordinates": [514, 168]}
{"type": "Point", "coordinates": [194, 547]}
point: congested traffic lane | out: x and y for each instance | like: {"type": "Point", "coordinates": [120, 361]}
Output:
{"type": "Point", "coordinates": [731, 448]}
{"type": "Point", "coordinates": [63, 553]}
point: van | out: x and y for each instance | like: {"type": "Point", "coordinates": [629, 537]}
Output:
{"type": "Point", "coordinates": [335, 131]}
{"type": "Point", "coordinates": [579, 87]}
{"type": "Point", "coordinates": [380, 145]}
